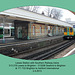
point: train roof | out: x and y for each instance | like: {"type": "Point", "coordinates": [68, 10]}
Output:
{"type": "Point", "coordinates": [20, 14]}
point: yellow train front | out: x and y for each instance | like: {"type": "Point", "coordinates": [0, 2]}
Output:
{"type": "Point", "coordinates": [68, 33]}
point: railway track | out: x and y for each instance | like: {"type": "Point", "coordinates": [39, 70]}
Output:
{"type": "Point", "coordinates": [45, 53]}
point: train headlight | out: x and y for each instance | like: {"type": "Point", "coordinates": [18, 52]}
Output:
{"type": "Point", "coordinates": [67, 37]}
{"type": "Point", "coordinates": [71, 37]}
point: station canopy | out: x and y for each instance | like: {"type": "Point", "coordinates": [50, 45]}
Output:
{"type": "Point", "coordinates": [23, 15]}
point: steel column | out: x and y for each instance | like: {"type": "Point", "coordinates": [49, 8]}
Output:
{"type": "Point", "coordinates": [3, 29]}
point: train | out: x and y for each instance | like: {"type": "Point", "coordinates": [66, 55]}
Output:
{"type": "Point", "coordinates": [8, 32]}
{"type": "Point", "coordinates": [69, 32]}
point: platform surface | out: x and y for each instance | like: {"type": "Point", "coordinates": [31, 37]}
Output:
{"type": "Point", "coordinates": [9, 41]}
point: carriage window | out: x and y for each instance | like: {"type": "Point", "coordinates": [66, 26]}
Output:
{"type": "Point", "coordinates": [70, 29]}
{"type": "Point", "coordinates": [65, 29]}
{"type": "Point", "coordinates": [1, 31]}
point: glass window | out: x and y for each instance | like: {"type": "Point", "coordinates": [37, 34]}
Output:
{"type": "Point", "coordinates": [45, 29]}
{"type": "Point", "coordinates": [48, 27]}
{"type": "Point", "coordinates": [65, 29]}
{"type": "Point", "coordinates": [7, 31]}
{"type": "Point", "coordinates": [70, 29]}
{"type": "Point", "coordinates": [33, 30]}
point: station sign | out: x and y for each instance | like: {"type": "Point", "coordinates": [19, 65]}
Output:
{"type": "Point", "coordinates": [73, 26]}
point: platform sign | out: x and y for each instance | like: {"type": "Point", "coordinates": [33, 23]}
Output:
{"type": "Point", "coordinates": [73, 26]}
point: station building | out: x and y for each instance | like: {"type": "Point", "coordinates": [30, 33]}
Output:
{"type": "Point", "coordinates": [29, 25]}
{"type": "Point", "coordinates": [27, 30]}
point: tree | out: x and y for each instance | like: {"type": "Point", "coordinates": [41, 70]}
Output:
{"type": "Point", "coordinates": [56, 13]}
{"type": "Point", "coordinates": [35, 8]}
{"type": "Point", "coordinates": [30, 8]}
{"type": "Point", "coordinates": [48, 11]}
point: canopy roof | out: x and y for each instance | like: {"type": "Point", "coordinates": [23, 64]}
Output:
{"type": "Point", "coordinates": [20, 14]}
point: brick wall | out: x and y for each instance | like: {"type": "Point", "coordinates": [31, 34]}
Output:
{"type": "Point", "coordinates": [37, 31]}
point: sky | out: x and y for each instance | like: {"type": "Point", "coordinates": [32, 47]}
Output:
{"type": "Point", "coordinates": [66, 14]}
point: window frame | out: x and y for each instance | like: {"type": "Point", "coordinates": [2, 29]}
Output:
{"type": "Point", "coordinates": [71, 30]}
{"type": "Point", "coordinates": [65, 30]}
{"type": "Point", "coordinates": [40, 30]}
{"type": "Point", "coordinates": [33, 30]}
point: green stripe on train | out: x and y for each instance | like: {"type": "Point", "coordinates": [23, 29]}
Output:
{"type": "Point", "coordinates": [1, 35]}
{"type": "Point", "coordinates": [1, 28]}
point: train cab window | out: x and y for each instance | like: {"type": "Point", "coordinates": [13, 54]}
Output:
{"type": "Point", "coordinates": [1, 31]}
{"type": "Point", "coordinates": [71, 30]}
{"type": "Point", "coordinates": [65, 29]}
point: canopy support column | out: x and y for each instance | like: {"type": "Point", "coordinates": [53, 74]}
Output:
{"type": "Point", "coordinates": [10, 28]}
{"type": "Point", "coordinates": [30, 28]}
{"type": "Point", "coordinates": [53, 30]}
{"type": "Point", "coordinates": [3, 30]}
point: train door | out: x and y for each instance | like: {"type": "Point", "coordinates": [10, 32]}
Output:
{"type": "Point", "coordinates": [68, 30]}
{"type": "Point", "coordinates": [19, 32]}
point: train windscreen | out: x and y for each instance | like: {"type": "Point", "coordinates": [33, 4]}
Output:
{"type": "Point", "coordinates": [65, 29]}
{"type": "Point", "coordinates": [71, 30]}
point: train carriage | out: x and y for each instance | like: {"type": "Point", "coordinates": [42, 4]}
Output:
{"type": "Point", "coordinates": [1, 32]}
{"type": "Point", "coordinates": [8, 32]}
{"type": "Point", "coordinates": [69, 33]}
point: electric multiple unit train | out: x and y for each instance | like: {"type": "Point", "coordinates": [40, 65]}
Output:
{"type": "Point", "coordinates": [69, 32]}
{"type": "Point", "coordinates": [8, 32]}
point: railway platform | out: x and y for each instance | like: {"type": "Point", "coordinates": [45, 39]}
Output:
{"type": "Point", "coordinates": [15, 41]}
{"type": "Point", "coordinates": [12, 46]}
